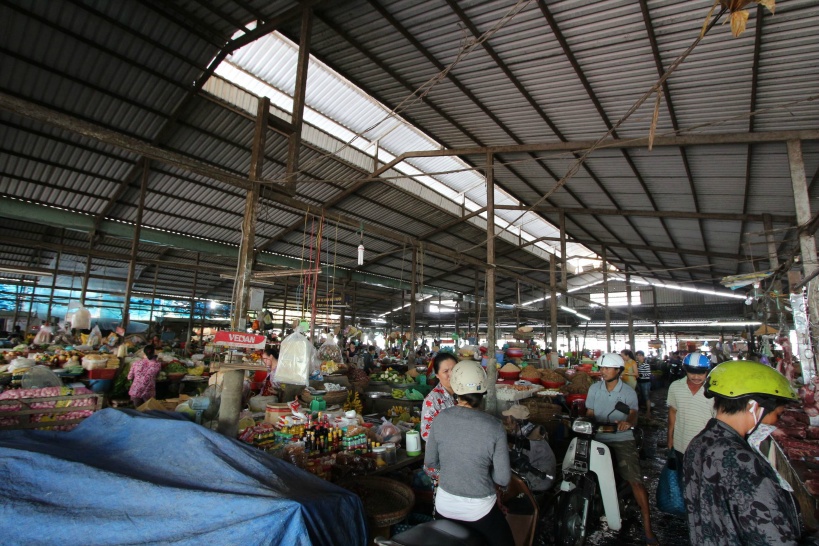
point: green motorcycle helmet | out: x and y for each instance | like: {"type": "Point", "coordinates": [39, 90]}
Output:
{"type": "Point", "coordinates": [739, 378]}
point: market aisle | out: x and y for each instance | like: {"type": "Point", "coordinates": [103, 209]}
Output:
{"type": "Point", "coordinates": [670, 530]}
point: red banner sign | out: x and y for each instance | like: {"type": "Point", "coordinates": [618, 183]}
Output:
{"type": "Point", "coordinates": [240, 340]}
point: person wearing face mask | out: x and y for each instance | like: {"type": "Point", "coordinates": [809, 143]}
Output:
{"type": "Point", "coordinates": [440, 397]}
{"type": "Point", "coordinates": [732, 493]}
{"type": "Point", "coordinates": [688, 408]}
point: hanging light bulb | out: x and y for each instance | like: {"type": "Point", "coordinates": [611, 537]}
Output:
{"type": "Point", "coordinates": [361, 245]}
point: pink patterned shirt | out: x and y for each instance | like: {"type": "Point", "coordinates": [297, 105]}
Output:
{"type": "Point", "coordinates": [143, 372]}
{"type": "Point", "coordinates": [436, 401]}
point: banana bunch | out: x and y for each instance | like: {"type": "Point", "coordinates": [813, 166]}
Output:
{"type": "Point", "coordinates": [398, 393]}
{"type": "Point", "coordinates": [353, 403]}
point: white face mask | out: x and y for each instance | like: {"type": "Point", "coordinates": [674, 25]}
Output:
{"type": "Point", "coordinates": [753, 407]}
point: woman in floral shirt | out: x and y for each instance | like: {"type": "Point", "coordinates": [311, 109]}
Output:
{"type": "Point", "coordinates": [143, 372]}
{"type": "Point", "coordinates": [440, 397]}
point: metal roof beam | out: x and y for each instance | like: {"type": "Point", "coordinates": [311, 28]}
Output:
{"type": "Point", "coordinates": [668, 250]}
{"type": "Point", "coordinates": [471, 96]}
{"type": "Point", "coordinates": [641, 142]}
{"type": "Point", "coordinates": [655, 213]}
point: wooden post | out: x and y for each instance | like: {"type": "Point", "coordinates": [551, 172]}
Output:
{"type": "Point", "coordinates": [129, 281]}
{"type": "Point", "coordinates": [491, 370]}
{"type": "Point", "coordinates": [630, 312]}
{"type": "Point", "coordinates": [193, 301]}
{"type": "Point", "coordinates": [553, 299]}
{"type": "Point", "coordinates": [153, 297]}
{"type": "Point", "coordinates": [232, 385]}
{"type": "Point", "coordinates": [294, 144]}
{"type": "Point", "coordinates": [54, 278]}
{"type": "Point", "coordinates": [606, 300]}
{"type": "Point", "coordinates": [413, 298]}
{"type": "Point", "coordinates": [284, 309]}
{"type": "Point", "coordinates": [564, 275]}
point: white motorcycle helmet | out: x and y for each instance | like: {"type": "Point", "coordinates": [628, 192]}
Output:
{"type": "Point", "coordinates": [468, 376]}
{"type": "Point", "coordinates": [610, 360]}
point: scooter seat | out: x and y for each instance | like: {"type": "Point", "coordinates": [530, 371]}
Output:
{"type": "Point", "coordinates": [440, 532]}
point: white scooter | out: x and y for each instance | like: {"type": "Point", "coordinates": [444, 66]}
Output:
{"type": "Point", "coordinates": [590, 489]}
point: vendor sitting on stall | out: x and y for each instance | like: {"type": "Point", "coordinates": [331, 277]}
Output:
{"type": "Point", "coordinates": [440, 397]}
{"type": "Point", "coordinates": [143, 372]}
{"type": "Point", "coordinates": [368, 363]}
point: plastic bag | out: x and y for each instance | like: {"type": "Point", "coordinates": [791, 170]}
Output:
{"type": "Point", "coordinates": [95, 337]}
{"type": "Point", "coordinates": [39, 377]}
{"type": "Point", "coordinates": [669, 489]}
{"type": "Point", "coordinates": [389, 432]}
{"type": "Point", "coordinates": [43, 337]}
{"type": "Point", "coordinates": [297, 357]}
{"type": "Point", "coordinates": [330, 351]}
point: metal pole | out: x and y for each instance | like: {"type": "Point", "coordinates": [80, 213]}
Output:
{"type": "Point", "coordinates": [16, 308]}
{"type": "Point", "coordinates": [153, 298]}
{"type": "Point", "coordinates": [491, 370]}
{"type": "Point", "coordinates": [553, 299]}
{"type": "Point", "coordinates": [413, 286]}
{"type": "Point", "coordinates": [477, 307]}
{"type": "Point", "coordinates": [564, 275]}
{"type": "Point", "coordinates": [54, 278]}
{"type": "Point", "coordinates": [294, 144]}
{"type": "Point", "coordinates": [630, 312]}
{"type": "Point", "coordinates": [232, 384]}
{"type": "Point", "coordinates": [606, 300]}
{"type": "Point", "coordinates": [284, 310]}
{"type": "Point", "coordinates": [193, 301]}
{"type": "Point", "coordinates": [87, 273]}
{"type": "Point", "coordinates": [129, 281]}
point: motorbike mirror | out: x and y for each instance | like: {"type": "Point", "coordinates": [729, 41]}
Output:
{"type": "Point", "coordinates": [623, 407]}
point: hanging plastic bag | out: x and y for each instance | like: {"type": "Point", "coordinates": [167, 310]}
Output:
{"type": "Point", "coordinates": [95, 337]}
{"type": "Point", "coordinates": [80, 318]}
{"type": "Point", "coordinates": [267, 320]}
{"type": "Point", "coordinates": [43, 337]}
{"type": "Point", "coordinates": [329, 355]}
{"type": "Point", "coordinates": [669, 489]}
{"type": "Point", "coordinates": [297, 357]}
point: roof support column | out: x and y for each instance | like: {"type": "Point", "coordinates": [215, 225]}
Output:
{"type": "Point", "coordinates": [87, 273]}
{"type": "Point", "coordinates": [294, 144]}
{"type": "Point", "coordinates": [129, 281]}
{"type": "Point", "coordinates": [606, 299]}
{"type": "Point", "coordinates": [630, 312]}
{"type": "Point", "coordinates": [807, 244]}
{"type": "Point", "coordinates": [564, 275]}
{"type": "Point", "coordinates": [284, 309]}
{"type": "Point", "coordinates": [413, 299]}
{"type": "Point", "coordinates": [491, 370]}
{"type": "Point", "coordinates": [54, 278]}
{"type": "Point", "coordinates": [553, 299]}
{"type": "Point", "coordinates": [232, 386]}
{"type": "Point", "coordinates": [193, 302]}
{"type": "Point", "coordinates": [153, 297]}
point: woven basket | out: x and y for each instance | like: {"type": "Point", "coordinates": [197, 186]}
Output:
{"type": "Point", "coordinates": [332, 397]}
{"type": "Point", "coordinates": [541, 411]}
{"type": "Point", "coordinates": [386, 502]}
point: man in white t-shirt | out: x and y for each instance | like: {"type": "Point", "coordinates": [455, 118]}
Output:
{"type": "Point", "coordinates": [688, 408]}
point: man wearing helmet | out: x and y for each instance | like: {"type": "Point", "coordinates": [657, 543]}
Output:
{"type": "Point", "coordinates": [467, 453]}
{"type": "Point", "coordinates": [600, 404]}
{"type": "Point", "coordinates": [688, 408]}
{"type": "Point", "coordinates": [732, 493]}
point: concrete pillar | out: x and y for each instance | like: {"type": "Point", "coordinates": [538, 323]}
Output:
{"type": "Point", "coordinates": [232, 385]}
{"type": "Point", "coordinates": [492, 373]}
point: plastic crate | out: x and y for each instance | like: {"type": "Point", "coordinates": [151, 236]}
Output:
{"type": "Point", "coordinates": [102, 373]}
{"type": "Point", "coordinates": [63, 413]}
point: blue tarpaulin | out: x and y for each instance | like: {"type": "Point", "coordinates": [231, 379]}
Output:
{"type": "Point", "coordinates": [123, 477]}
